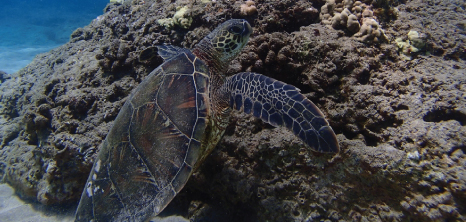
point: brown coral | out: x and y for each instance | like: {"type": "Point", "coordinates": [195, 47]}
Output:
{"type": "Point", "coordinates": [370, 32]}
{"type": "Point", "coordinates": [248, 8]}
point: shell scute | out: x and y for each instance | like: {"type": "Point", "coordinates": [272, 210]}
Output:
{"type": "Point", "coordinates": [177, 99]}
{"type": "Point", "coordinates": [119, 134]}
{"type": "Point", "coordinates": [181, 64]}
{"type": "Point", "coordinates": [200, 66]}
{"type": "Point", "coordinates": [193, 152]}
{"type": "Point", "coordinates": [202, 106]}
{"type": "Point", "coordinates": [202, 81]}
{"type": "Point", "coordinates": [102, 204]}
{"type": "Point", "coordinates": [130, 181]}
{"type": "Point", "coordinates": [147, 89]}
{"type": "Point", "coordinates": [161, 145]}
{"type": "Point", "coordinates": [198, 130]}
{"type": "Point", "coordinates": [182, 177]}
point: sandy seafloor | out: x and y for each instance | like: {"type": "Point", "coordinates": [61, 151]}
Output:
{"type": "Point", "coordinates": [399, 113]}
{"type": "Point", "coordinates": [12, 208]}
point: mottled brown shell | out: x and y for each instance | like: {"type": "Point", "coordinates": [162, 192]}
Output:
{"type": "Point", "coordinates": [153, 145]}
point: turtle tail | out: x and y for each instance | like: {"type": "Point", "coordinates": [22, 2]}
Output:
{"type": "Point", "coordinates": [281, 104]}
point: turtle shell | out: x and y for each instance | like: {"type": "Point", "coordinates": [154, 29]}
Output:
{"type": "Point", "coordinates": [153, 145]}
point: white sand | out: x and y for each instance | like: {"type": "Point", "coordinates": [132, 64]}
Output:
{"type": "Point", "coordinates": [12, 208]}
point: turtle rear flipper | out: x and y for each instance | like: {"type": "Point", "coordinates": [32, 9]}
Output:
{"type": "Point", "coordinates": [168, 52]}
{"type": "Point", "coordinates": [281, 104]}
{"type": "Point", "coordinates": [148, 54]}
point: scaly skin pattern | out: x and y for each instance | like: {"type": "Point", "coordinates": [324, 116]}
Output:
{"type": "Point", "coordinates": [281, 104]}
{"type": "Point", "coordinates": [218, 49]}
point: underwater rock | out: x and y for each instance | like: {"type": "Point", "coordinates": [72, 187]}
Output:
{"type": "Point", "coordinates": [401, 124]}
{"type": "Point", "coordinates": [118, 1]}
{"type": "Point", "coordinates": [3, 76]}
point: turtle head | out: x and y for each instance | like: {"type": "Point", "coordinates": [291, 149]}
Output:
{"type": "Point", "coordinates": [227, 40]}
{"type": "Point", "coordinates": [230, 37]}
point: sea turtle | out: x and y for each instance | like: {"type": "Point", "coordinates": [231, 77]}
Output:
{"type": "Point", "coordinates": [174, 119]}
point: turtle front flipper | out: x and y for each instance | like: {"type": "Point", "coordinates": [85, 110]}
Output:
{"type": "Point", "coordinates": [281, 104]}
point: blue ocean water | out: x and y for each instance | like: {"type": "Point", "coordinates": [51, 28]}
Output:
{"type": "Point", "coordinates": [29, 27]}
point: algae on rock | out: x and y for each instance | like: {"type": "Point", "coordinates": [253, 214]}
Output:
{"type": "Point", "coordinates": [182, 18]}
{"type": "Point", "coordinates": [413, 45]}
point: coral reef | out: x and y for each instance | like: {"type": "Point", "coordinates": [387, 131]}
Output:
{"type": "Point", "coordinates": [346, 19]}
{"type": "Point", "coordinates": [181, 18]}
{"type": "Point", "coordinates": [370, 32]}
{"type": "Point", "coordinates": [248, 8]}
{"type": "Point", "coordinates": [357, 17]}
{"type": "Point", "coordinates": [400, 123]}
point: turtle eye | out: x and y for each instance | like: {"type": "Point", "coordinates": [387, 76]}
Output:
{"type": "Point", "coordinates": [235, 30]}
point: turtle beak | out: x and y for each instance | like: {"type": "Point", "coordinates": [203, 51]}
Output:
{"type": "Point", "coordinates": [247, 30]}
